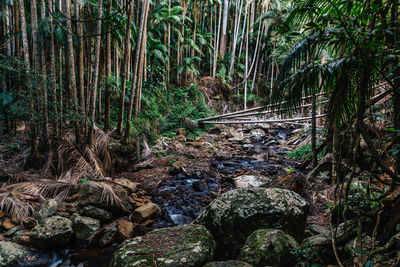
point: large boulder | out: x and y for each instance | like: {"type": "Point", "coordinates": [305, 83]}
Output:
{"type": "Point", "coordinates": [53, 232]}
{"type": "Point", "coordinates": [227, 264]}
{"type": "Point", "coordinates": [95, 193]}
{"type": "Point", "coordinates": [12, 254]}
{"type": "Point", "coordinates": [187, 245]}
{"type": "Point", "coordinates": [269, 247]}
{"type": "Point", "coordinates": [84, 227]}
{"type": "Point", "coordinates": [233, 216]}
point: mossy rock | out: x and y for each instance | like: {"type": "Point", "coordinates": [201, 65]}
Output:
{"type": "Point", "coordinates": [269, 247]}
{"type": "Point", "coordinates": [54, 232]}
{"type": "Point", "coordinates": [84, 227]}
{"type": "Point", "coordinates": [10, 253]}
{"type": "Point", "coordinates": [233, 216]}
{"type": "Point", "coordinates": [187, 245]}
{"type": "Point", "coordinates": [227, 264]}
{"type": "Point", "coordinates": [97, 213]}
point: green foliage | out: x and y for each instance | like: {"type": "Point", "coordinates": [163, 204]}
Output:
{"type": "Point", "coordinates": [306, 256]}
{"type": "Point", "coordinates": [166, 110]}
{"type": "Point", "coordinates": [302, 152]}
{"type": "Point", "coordinates": [84, 181]}
{"type": "Point", "coordinates": [363, 199]}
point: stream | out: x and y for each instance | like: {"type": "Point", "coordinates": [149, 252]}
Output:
{"type": "Point", "coordinates": [186, 195]}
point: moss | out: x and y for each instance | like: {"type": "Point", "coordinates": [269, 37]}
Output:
{"type": "Point", "coordinates": [269, 246]}
{"type": "Point", "coordinates": [233, 216]}
{"type": "Point", "coordinates": [188, 245]}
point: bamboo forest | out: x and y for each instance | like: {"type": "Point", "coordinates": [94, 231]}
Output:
{"type": "Point", "coordinates": [203, 133]}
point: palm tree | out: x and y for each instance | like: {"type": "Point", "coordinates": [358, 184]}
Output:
{"type": "Point", "coordinates": [93, 98]}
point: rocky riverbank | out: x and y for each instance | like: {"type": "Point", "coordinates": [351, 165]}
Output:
{"type": "Point", "coordinates": [228, 198]}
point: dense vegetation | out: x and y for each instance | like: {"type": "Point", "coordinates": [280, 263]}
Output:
{"type": "Point", "coordinates": [133, 67]}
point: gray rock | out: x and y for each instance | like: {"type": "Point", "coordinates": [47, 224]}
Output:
{"type": "Point", "coordinates": [97, 213]}
{"type": "Point", "coordinates": [227, 264]}
{"type": "Point", "coordinates": [319, 230]}
{"type": "Point", "coordinates": [321, 173]}
{"type": "Point", "coordinates": [107, 236]}
{"type": "Point", "coordinates": [131, 186]}
{"type": "Point", "coordinates": [247, 181]}
{"type": "Point", "coordinates": [269, 247]}
{"type": "Point", "coordinates": [187, 245]}
{"type": "Point", "coordinates": [233, 216]}
{"type": "Point", "coordinates": [48, 208]}
{"type": "Point", "coordinates": [11, 253]}
{"type": "Point", "coordinates": [53, 232]}
{"type": "Point", "coordinates": [84, 227]}
{"type": "Point", "coordinates": [257, 135]}
{"type": "Point", "coordinates": [91, 193]}
{"type": "Point", "coordinates": [200, 185]}
{"type": "Point", "coordinates": [12, 231]}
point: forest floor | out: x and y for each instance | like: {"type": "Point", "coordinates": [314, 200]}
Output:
{"type": "Point", "coordinates": [184, 174]}
{"type": "Point", "coordinates": [187, 173]}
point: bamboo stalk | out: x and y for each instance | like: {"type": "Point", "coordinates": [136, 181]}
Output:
{"type": "Point", "coordinates": [249, 110]}
{"type": "Point", "coordinates": [266, 112]}
{"type": "Point", "coordinates": [263, 121]}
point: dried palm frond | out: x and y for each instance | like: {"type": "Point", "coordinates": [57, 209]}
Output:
{"type": "Point", "coordinates": [110, 197]}
{"type": "Point", "coordinates": [107, 162]}
{"type": "Point", "coordinates": [15, 208]}
{"type": "Point", "coordinates": [73, 165]}
{"type": "Point", "coordinates": [101, 140]}
{"type": "Point", "coordinates": [44, 189]}
{"type": "Point", "coordinates": [46, 170]}
{"type": "Point", "coordinates": [64, 151]}
{"type": "Point", "coordinates": [94, 161]}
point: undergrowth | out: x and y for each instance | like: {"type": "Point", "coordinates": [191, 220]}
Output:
{"type": "Point", "coordinates": [169, 109]}
{"type": "Point", "coordinates": [302, 152]}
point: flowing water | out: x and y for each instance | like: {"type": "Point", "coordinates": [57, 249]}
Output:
{"type": "Point", "coordinates": [185, 196]}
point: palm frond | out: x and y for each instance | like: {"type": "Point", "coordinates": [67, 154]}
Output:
{"type": "Point", "coordinates": [15, 208]}
{"type": "Point", "coordinates": [43, 189]}
{"type": "Point", "coordinates": [110, 197]}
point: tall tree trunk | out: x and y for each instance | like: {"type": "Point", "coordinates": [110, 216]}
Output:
{"type": "Point", "coordinates": [45, 128]}
{"type": "Point", "coordinates": [216, 45]}
{"type": "Point", "coordinates": [25, 53]}
{"type": "Point", "coordinates": [81, 66]}
{"type": "Point", "coordinates": [36, 64]}
{"type": "Point", "coordinates": [135, 70]}
{"type": "Point", "coordinates": [124, 70]}
{"type": "Point", "coordinates": [92, 108]}
{"type": "Point", "coordinates": [169, 44]}
{"type": "Point", "coordinates": [71, 71]}
{"type": "Point", "coordinates": [107, 98]}
{"type": "Point", "coordinates": [222, 48]}
{"type": "Point", "coordinates": [52, 77]}
{"type": "Point", "coordinates": [142, 62]}
{"type": "Point", "coordinates": [246, 65]}
{"type": "Point", "coordinates": [235, 36]}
